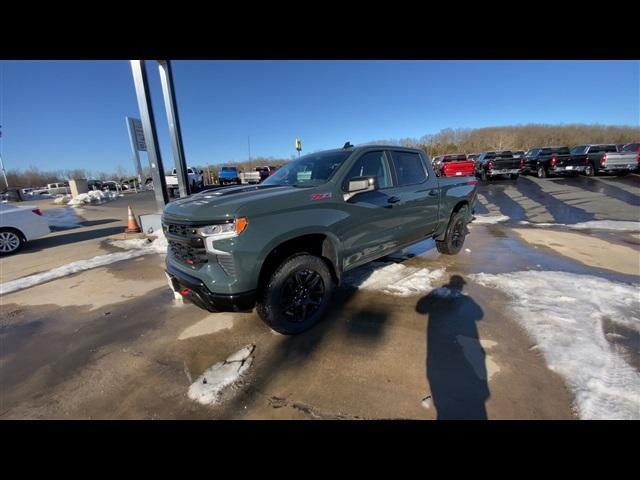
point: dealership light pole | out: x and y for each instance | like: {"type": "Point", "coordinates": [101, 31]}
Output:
{"type": "Point", "coordinates": [141, 83]}
{"type": "Point", "coordinates": [169, 93]}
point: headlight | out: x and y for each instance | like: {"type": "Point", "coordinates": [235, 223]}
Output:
{"type": "Point", "coordinates": [224, 230]}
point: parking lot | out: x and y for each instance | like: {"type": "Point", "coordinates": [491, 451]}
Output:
{"type": "Point", "coordinates": [550, 267]}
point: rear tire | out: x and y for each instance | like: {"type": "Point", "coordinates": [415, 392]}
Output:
{"type": "Point", "coordinates": [11, 241]}
{"type": "Point", "coordinates": [542, 172]}
{"type": "Point", "coordinates": [483, 176]}
{"type": "Point", "coordinates": [514, 176]}
{"type": "Point", "coordinates": [297, 294]}
{"type": "Point", "coordinates": [590, 170]}
{"type": "Point", "coordinates": [455, 234]}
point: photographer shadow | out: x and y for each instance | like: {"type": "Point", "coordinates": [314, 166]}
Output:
{"type": "Point", "coordinates": [455, 365]}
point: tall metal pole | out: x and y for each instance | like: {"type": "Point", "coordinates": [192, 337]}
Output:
{"type": "Point", "coordinates": [149, 126]}
{"type": "Point", "coordinates": [249, 143]}
{"type": "Point", "coordinates": [169, 93]}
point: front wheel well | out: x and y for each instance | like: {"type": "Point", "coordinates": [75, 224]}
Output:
{"type": "Point", "coordinates": [315, 244]}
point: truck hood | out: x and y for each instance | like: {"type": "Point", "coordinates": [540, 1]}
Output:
{"type": "Point", "coordinates": [222, 203]}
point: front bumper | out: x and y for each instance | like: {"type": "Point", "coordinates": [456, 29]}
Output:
{"type": "Point", "coordinates": [195, 290]}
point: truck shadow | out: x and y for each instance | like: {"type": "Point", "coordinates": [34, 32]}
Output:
{"type": "Point", "coordinates": [68, 238]}
{"type": "Point", "coordinates": [293, 354]}
{"type": "Point", "coordinates": [455, 365]}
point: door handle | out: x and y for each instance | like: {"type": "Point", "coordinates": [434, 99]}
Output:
{"type": "Point", "coordinates": [393, 199]}
{"type": "Point", "coordinates": [433, 193]}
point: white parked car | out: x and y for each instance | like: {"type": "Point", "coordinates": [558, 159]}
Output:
{"type": "Point", "coordinates": [18, 225]}
{"type": "Point", "coordinates": [58, 188]}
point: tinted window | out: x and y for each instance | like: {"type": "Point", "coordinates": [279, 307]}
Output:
{"type": "Point", "coordinates": [408, 168]}
{"type": "Point", "coordinates": [489, 155]}
{"type": "Point", "coordinates": [371, 164]}
{"type": "Point", "coordinates": [228, 169]}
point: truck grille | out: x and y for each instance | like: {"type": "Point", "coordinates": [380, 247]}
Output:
{"type": "Point", "coordinates": [185, 244]}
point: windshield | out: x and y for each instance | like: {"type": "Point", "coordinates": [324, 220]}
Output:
{"type": "Point", "coordinates": [308, 171]}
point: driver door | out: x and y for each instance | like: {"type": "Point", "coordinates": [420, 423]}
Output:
{"type": "Point", "coordinates": [368, 231]}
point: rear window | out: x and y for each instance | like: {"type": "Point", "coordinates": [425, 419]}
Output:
{"type": "Point", "coordinates": [579, 149]}
{"type": "Point", "coordinates": [603, 148]}
{"type": "Point", "coordinates": [409, 168]}
{"type": "Point", "coordinates": [506, 154]}
{"type": "Point", "coordinates": [454, 158]}
{"type": "Point", "coordinates": [228, 169]}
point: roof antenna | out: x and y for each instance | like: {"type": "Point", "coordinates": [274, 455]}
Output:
{"type": "Point", "coordinates": [347, 145]}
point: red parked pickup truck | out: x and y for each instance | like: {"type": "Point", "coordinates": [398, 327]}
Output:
{"type": "Point", "coordinates": [454, 165]}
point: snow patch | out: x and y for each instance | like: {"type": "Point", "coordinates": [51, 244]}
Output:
{"type": "Point", "coordinates": [93, 196]}
{"type": "Point", "coordinates": [566, 315]}
{"type": "Point", "coordinates": [489, 219]}
{"type": "Point", "coordinates": [208, 386]}
{"type": "Point", "coordinates": [618, 225]}
{"type": "Point", "coordinates": [62, 199]}
{"type": "Point", "coordinates": [158, 245]}
{"type": "Point", "coordinates": [393, 278]}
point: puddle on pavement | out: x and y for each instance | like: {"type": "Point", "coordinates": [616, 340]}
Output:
{"type": "Point", "coordinates": [212, 324]}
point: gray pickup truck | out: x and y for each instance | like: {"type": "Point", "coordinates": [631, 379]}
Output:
{"type": "Point", "coordinates": [284, 245]}
{"type": "Point", "coordinates": [604, 158]}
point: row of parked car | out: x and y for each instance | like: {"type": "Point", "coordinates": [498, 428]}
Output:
{"type": "Point", "coordinates": [233, 175]}
{"type": "Point", "coordinates": [589, 160]}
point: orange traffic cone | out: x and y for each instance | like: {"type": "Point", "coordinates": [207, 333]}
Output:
{"type": "Point", "coordinates": [132, 223]}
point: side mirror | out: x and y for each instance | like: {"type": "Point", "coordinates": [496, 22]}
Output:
{"type": "Point", "coordinates": [360, 185]}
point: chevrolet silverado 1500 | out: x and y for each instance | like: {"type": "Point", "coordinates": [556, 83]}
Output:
{"type": "Point", "coordinates": [284, 244]}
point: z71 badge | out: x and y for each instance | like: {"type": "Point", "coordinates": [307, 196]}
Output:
{"type": "Point", "coordinates": [321, 196]}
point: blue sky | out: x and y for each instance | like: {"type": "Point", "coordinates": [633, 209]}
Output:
{"type": "Point", "coordinates": [71, 114]}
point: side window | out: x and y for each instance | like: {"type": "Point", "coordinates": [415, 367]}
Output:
{"type": "Point", "coordinates": [371, 164]}
{"type": "Point", "coordinates": [409, 168]}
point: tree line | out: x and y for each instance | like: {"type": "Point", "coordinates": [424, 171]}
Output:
{"type": "Point", "coordinates": [518, 137]}
{"type": "Point", "coordinates": [448, 140]}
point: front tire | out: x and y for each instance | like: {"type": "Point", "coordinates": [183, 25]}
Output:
{"type": "Point", "coordinates": [455, 234]}
{"type": "Point", "coordinates": [297, 294]}
{"type": "Point", "coordinates": [11, 241]}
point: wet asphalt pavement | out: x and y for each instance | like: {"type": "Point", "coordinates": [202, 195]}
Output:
{"type": "Point", "coordinates": [131, 352]}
